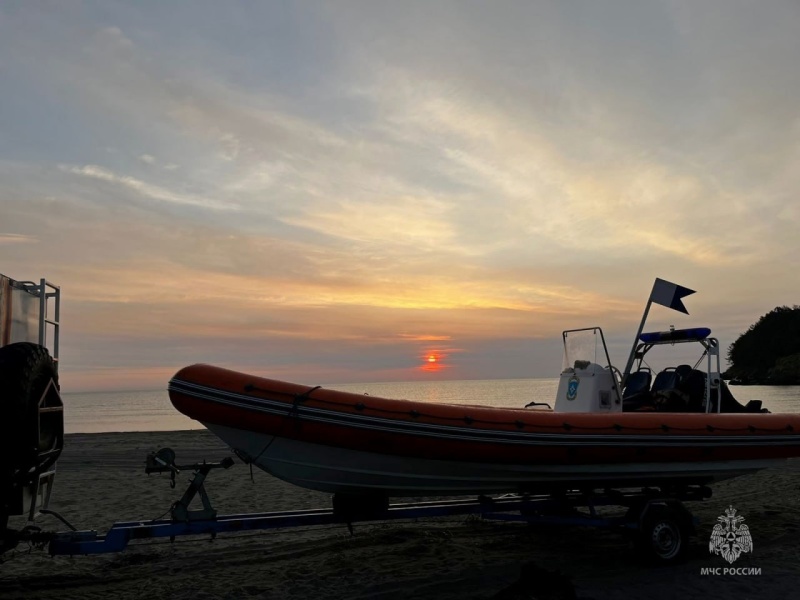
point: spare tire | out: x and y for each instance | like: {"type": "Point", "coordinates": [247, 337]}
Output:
{"type": "Point", "coordinates": [25, 371]}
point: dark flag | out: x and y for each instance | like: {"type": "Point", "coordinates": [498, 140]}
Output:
{"type": "Point", "coordinates": [669, 295]}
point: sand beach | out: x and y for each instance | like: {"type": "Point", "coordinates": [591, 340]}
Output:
{"type": "Point", "coordinates": [101, 480]}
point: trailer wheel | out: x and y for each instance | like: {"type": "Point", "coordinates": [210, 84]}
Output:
{"type": "Point", "coordinates": [663, 536]}
{"type": "Point", "coordinates": [25, 371]}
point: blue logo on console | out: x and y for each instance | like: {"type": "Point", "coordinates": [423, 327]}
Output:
{"type": "Point", "coordinates": [572, 388]}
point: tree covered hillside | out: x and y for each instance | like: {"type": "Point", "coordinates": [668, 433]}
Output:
{"type": "Point", "coordinates": [769, 352]}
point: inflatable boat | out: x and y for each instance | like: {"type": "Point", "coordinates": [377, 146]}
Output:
{"type": "Point", "coordinates": [607, 429]}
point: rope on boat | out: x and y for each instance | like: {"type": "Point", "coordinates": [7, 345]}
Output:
{"type": "Point", "coordinates": [306, 395]}
{"type": "Point", "coordinates": [416, 414]}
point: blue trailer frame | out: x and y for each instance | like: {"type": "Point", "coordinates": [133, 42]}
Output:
{"type": "Point", "coordinates": [558, 509]}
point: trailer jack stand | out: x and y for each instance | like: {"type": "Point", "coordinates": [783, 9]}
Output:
{"type": "Point", "coordinates": [163, 461]}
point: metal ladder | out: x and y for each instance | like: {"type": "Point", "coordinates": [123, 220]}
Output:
{"type": "Point", "coordinates": [36, 495]}
{"type": "Point", "coordinates": [47, 292]}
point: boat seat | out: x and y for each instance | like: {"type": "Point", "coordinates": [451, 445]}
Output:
{"type": "Point", "coordinates": [683, 372]}
{"type": "Point", "coordinates": [694, 386]}
{"type": "Point", "coordinates": [665, 380]}
{"type": "Point", "coordinates": [636, 395]}
{"type": "Point", "coordinates": [667, 393]}
{"type": "Point", "coordinates": [637, 382]}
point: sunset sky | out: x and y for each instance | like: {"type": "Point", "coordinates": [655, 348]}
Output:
{"type": "Point", "coordinates": [335, 191]}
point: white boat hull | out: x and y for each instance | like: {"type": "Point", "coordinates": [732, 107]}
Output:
{"type": "Point", "coordinates": [340, 470]}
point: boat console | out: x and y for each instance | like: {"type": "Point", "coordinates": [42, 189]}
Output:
{"type": "Point", "coordinates": [585, 384]}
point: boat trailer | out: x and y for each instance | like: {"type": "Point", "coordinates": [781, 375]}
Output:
{"type": "Point", "coordinates": [32, 438]}
{"type": "Point", "coordinates": [657, 519]}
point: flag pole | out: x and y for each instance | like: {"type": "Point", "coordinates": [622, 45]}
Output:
{"type": "Point", "coordinates": [667, 294]}
{"type": "Point", "coordinates": [632, 356]}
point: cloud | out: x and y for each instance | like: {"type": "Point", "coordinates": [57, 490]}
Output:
{"type": "Point", "coordinates": [511, 173]}
{"type": "Point", "coordinates": [15, 238]}
{"type": "Point", "coordinates": [425, 337]}
{"type": "Point", "coordinates": [462, 175]}
{"type": "Point", "coordinates": [149, 191]}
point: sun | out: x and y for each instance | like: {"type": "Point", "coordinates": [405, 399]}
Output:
{"type": "Point", "coordinates": [432, 360]}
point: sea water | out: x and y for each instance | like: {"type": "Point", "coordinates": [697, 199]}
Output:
{"type": "Point", "coordinates": [97, 412]}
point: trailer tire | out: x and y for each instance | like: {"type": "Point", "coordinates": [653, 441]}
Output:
{"type": "Point", "coordinates": [25, 371]}
{"type": "Point", "coordinates": [663, 536]}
